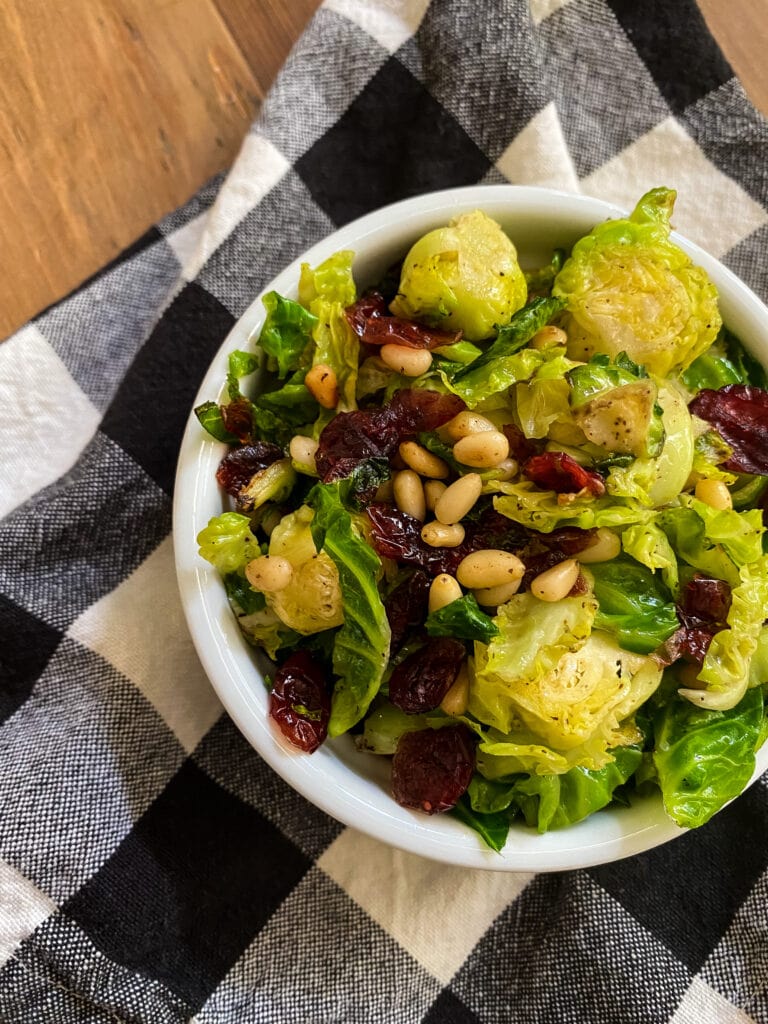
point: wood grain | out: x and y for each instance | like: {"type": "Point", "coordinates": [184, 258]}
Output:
{"type": "Point", "coordinates": [115, 111]}
{"type": "Point", "coordinates": [265, 31]}
{"type": "Point", "coordinates": [741, 29]}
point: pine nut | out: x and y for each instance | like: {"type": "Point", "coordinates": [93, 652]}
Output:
{"type": "Point", "coordinates": [443, 591]}
{"type": "Point", "coordinates": [269, 573]}
{"type": "Point", "coordinates": [548, 337]}
{"type": "Point", "coordinates": [432, 491]}
{"type": "Point", "coordinates": [483, 450]}
{"type": "Point", "coordinates": [456, 700]}
{"type": "Point", "coordinates": [492, 597]}
{"type": "Point", "coordinates": [409, 494]}
{"type": "Point", "coordinates": [411, 362]}
{"type": "Point", "coordinates": [422, 461]}
{"type": "Point", "coordinates": [715, 494]}
{"type": "Point", "coordinates": [557, 582]}
{"type": "Point", "coordinates": [322, 384]}
{"type": "Point", "coordinates": [303, 450]}
{"type": "Point", "coordinates": [605, 546]}
{"type": "Point", "coordinates": [490, 567]}
{"type": "Point", "coordinates": [454, 503]}
{"type": "Point", "coordinates": [463, 424]}
{"type": "Point", "coordinates": [507, 469]}
{"type": "Point", "coordinates": [438, 535]}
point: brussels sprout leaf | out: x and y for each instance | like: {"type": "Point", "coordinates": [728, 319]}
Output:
{"type": "Point", "coordinates": [705, 758]}
{"type": "Point", "coordinates": [517, 333]}
{"type": "Point", "coordinates": [286, 332]}
{"type": "Point", "coordinates": [541, 279]}
{"type": "Point", "coordinates": [493, 827]}
{"type": "Point", "coordinates": [462, 618]}
{"type": "Point", "coordinates": [555, 801]}
{"type": "Point", "coordinates": [634, 605]}
{"type": "Point", "coordinates": [361, 647]}
{"type": "Point", "coordinates": [209, 414]}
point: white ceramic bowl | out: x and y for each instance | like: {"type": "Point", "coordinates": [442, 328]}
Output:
{"type": "Point", "coordinates": [348, 785]}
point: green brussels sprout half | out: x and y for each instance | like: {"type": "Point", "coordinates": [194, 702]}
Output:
{"type": "Point", "coordinates": [312, 600]}
{"type": "Point", "coordinates": [629, 288]}
{"type": "Point", "coordinates": [462, 277]}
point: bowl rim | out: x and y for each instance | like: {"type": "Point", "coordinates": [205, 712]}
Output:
{"type": "Point", "coordinates": [231, 664]}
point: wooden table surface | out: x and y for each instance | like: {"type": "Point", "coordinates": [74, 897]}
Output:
{"type": "Point", "coordinates": [115, 111]}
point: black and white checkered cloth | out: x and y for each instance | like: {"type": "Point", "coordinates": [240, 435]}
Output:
{"type": "Point", "coordinates": [152, 868]}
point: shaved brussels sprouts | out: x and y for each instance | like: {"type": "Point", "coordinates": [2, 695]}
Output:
{"type": "Point", "coordinates": [726, 668]}
{"type": "Point", "coordinates": [620, 469]}
{"type": "Point", "coordinates": [271, 484]}
{"type": "Point", "coordinates": [624, 420]}
{"type": "Point", "coordinates": [568, 683]}
{"type": "Point", "coordinates": [462, 277]}
{"type": "Point", "coordinates": [657, 481]}
{"type": "Point", "coordinates": [385, 725]}
{"type": "Point", "coordinates": [227, 542]}
{"type": "Point", "coordinates": [312, 600]}
{"type": "Point", "coordinates": [629, 288]}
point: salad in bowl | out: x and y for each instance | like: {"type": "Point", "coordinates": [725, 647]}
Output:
{"type": "Point", "coordinates": [501, 529]}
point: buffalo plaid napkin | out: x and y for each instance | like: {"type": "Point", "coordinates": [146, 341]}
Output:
{"type": "Point", "coordinates": [152, 868]}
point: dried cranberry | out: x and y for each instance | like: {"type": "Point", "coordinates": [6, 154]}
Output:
{"type": "Point", "coordinates": [568, 539]}
{"type": "Point", "coordinates": [432, 768]}
{"type": "Point", "coordinates": [669, 651]}
{"type": "Point", "coordinates": [406, 606]}
{"type": "Point", "coordinates": [556, 471]}
{"type": "Point", "coordinates": [544, 551]}
{"type": "Point", "coordinates": [702, 611]}
{"type": "Point", "coordinates": [705, 599]}
{"type": "Point", "coordinates": [520, 446]}
{"type": "Point", "coordinates": [418, 409]}
{"type": "Point", "coordinates": [695, 644]}
{"type": "Point", "coordinates": [238, 419]}
{"type": "Point", "coordinates": [419, 683]}
{"type": "Point", "coordinates": [393, 330]}
{"type": "Point", "coordinates": [239, 465]}
{"type": "Point", "coordinates": [370, 305]}
{"type": "Point", "coordinates": [352, 437]}
{"type": "Point", "coordinates": [687, 643]}
{"type": "Point", "coordinates": [490, 529]}
{"type": "Point", "coordinates": [349, 439]}
{"type": "Point", "coordinates": [739, 413]}
{"type": "Point", "coordinates": [300, 703]}
{"type": "Point", "coordinates": [397, 535]}
{"type": "Point", "coordinates": [370, 321]}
